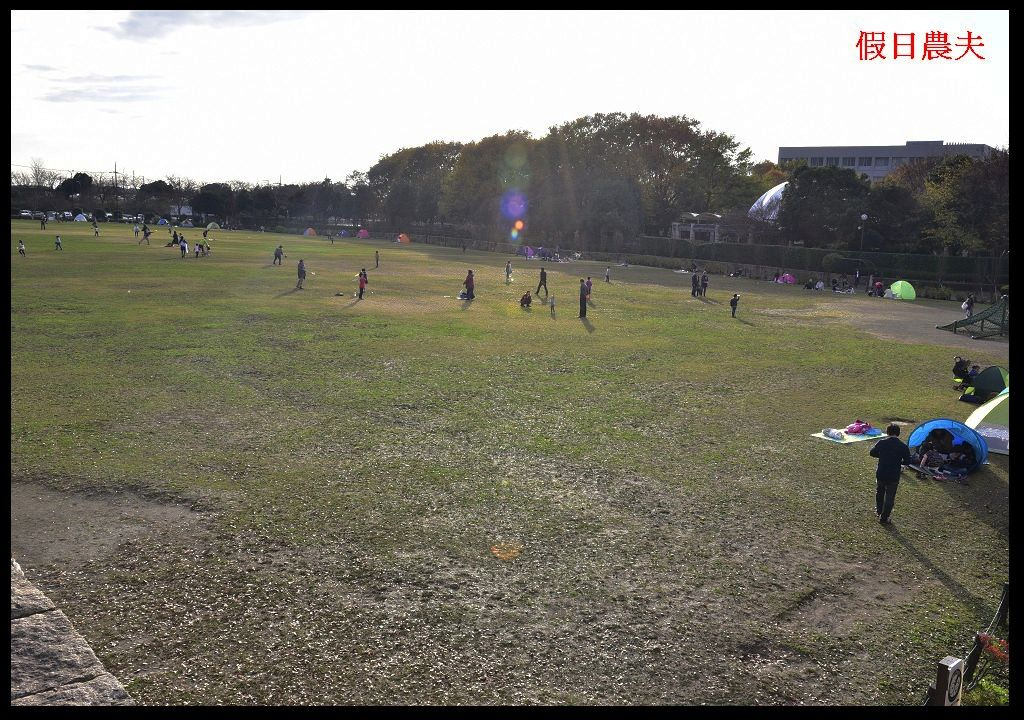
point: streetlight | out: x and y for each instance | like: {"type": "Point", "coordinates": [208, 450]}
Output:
{"type": "Point", "coordinates": [863, 222]}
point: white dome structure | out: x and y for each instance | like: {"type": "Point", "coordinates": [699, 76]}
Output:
{"type": "Point", "coordinates": [766, 207]}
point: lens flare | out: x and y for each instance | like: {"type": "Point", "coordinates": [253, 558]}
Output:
{"type": "Point", "coordinates": [515, 234]}
{"type": "Point", "coordinates": [519, 224]}
{"type": "Point", "coordinates": [513, 204]}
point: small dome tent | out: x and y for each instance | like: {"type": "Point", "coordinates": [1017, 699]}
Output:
{"type": "Point", "coordinates": [363, 233]}
{"type": "Point", "coordinates": [990, 381]}
{"type": "Point", "coordinates": [992, 422]}
{"type": "Point", "coordinates": [162, 221]}
{"type": "Point", "coordinates": [309, 232]}
{"type": "Point", "coordinates": [787, 279]}
{"type": "Point", "coordinates": [213, 226]}
{"type": "Point", "coordinates": [403, 238]}
{"type": "Point", "coordinates": [902, 290]}
{"type": "Point", "coordinates": [80, 218]}
{"type": "Point", "coordinates": [960, 432]}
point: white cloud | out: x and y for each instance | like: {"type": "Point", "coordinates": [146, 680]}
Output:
{"type": "Point", "coordinates": [142, 25]}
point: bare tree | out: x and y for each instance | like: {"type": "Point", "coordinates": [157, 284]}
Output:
{"type": "Point", "coordinates": [43, 177]}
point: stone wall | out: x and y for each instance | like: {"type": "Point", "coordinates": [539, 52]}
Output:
{"type": "Point", "coordinates": [51, 664]}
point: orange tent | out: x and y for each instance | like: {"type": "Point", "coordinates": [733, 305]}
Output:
{"type": "Point", "coordinates": [403, 238]}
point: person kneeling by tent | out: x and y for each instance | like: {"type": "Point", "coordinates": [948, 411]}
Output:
{"type": "Point", "coordinates": [961, 369]}
{"type": "Point", "coordinates": [525, 300]}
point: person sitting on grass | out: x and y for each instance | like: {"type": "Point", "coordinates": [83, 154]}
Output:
{"type": "Point", "coordinates": [971, 374]}
{"type": "Point", "coordinates": [961, 368]}
{"type": "Point", "coordinates": [525, 300]}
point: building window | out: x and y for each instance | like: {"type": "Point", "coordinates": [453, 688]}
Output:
{"type": "Point", "coordinates": [864, 162]}
{"type": "Point", "coordinates": [881, 162]}
{"type": "Point", "coordinates": [832, 161]}
{"type": "Point", "coordinates": [849, 162]}
{"type": "Point", "coordinates": [816, 162]}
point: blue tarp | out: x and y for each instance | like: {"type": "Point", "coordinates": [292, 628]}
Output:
{"type": "Point", "coordinates": [961, 434]}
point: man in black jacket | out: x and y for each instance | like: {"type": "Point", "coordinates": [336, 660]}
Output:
{"type": "Point", "coordinates": [892, 454]}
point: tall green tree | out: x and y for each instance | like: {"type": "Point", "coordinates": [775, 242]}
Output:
{"type": "Point", "coordinates": [822, 206]}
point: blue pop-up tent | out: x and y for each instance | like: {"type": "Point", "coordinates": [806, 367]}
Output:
{"type": "Point", "coordinates": [960, 432]}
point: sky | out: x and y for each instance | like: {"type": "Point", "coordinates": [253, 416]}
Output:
{"type": "Point", "coordinates": [259, 96]}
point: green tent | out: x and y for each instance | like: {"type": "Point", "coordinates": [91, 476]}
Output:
{"type": "Point", "coordinates": [902, 290]}
{"type": "Point", "coordinates": [991, 380]}
{"type": "Point", "coordinates": [992, 422]}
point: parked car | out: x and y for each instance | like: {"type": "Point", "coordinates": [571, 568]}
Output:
{"type": "Point", "coordinates": [27, 214]}
{"type": "Point", "coordinates": [68, 215]}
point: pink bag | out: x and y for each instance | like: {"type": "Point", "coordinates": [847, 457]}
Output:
{"type": "Point", "coordinates": [859, 427]}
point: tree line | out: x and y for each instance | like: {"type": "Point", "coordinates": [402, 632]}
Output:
{"type": "Point", "coordinates": [595, 183]}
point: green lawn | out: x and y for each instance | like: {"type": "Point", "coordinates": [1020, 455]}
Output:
{"type": "Point", "coordinates": [682, 538]}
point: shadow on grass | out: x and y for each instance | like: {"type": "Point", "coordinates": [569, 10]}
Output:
{"type": "Point", "coordinates": [708, 301]}
{"type": "Point", "coordinates": [985, 494]}
{"type": "Point", "coordinates": [466, 304]}
{"type": "Point", "coordinates": [587, 324]}
{"type": "Point", "coordinates": [552, 312]}
{"type": "Point", "coordinates": [746, 322]}
{"type": "Point", "coordinates": [978, 606]}
{"type": "Point", "coordinates": [287, 292]}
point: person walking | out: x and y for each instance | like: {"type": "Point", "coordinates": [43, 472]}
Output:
{"type": "Point", "coordinates": [856, 278]}
{"type": "Point", "coordinates": [278, 254]}
{"type": "Point", "coordinates": [892, 454]}
{"type": "Point", "coordinates": [57, 245]}
{"type": "Point", "coordinates": [508, 272]}
{"type": "Point", "coordinates": [95, 229]}
{"type": "Point", "coordinates": [543, 282]}
{"type": "Point", "coordinates": [363, 279]}
{"type": "Point", "coordinates": [608, 274]}
{"type": "Point", "coordinates": [136, 231]}
{"type": "Point", "coordinates": [694, 284]}
{"type": "Point", "coordinates": [146, 232]}
{"type": "Point", "coordinates": [175, 239]}
{"type": "Point", "coordinates": [42, 223]}
{"type": "Point", "coordinates": [583, 298]}
{"type": "Point", "coordinates": [469, 283]}
{"type": "Point", "coordinates": [21, 247]}
{"type": "Point", "coordinates": [590, 286]}
{"type": "Point", "coordinates": [376, 259]}
{"type": "Point", "coordinates": [734, 302]}
{"type": "Point", "coordinates": [184, 247]}
{"type": "Point", "coordinates": [968, 306]}
{"type": "Point", "coordinates": [302, 274]}
{"type": "Point", "coordinates": [704, 284]}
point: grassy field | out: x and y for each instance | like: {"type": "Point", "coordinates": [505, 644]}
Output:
{"type": "Point", "coordinates": [241, 492]}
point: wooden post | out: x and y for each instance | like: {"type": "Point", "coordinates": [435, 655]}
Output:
{"type": "Point", "coordinates": [949, 682]}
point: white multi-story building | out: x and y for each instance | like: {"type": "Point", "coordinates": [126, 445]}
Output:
{"type": "Point", "coordinates": [877, 161]}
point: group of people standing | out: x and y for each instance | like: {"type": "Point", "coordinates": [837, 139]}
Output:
{"type": "Point", "coordinates": [201, 248]}
{"type": "Point", "coordinates": [699, 284]}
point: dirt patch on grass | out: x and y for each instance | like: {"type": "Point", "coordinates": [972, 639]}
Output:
{"type": "Point", "coordinates": [50, 527]}
{"type": "Point", "coordinates": [910, 322]}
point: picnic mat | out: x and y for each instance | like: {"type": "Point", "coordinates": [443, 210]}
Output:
{"type": "Point", "coordinates": [847, 438]}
